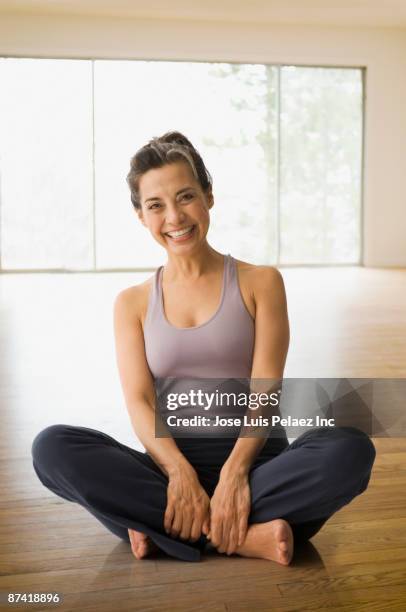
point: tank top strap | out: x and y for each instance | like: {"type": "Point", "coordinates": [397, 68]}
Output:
{"type": "Point", "coordinates": [227, 280]}
{"type": "Point", "coordinates": [232, 294]}
{"type": "Point", "coordinates": [228, 263]}
{"type": "Point", "coordinates": [153, 310]}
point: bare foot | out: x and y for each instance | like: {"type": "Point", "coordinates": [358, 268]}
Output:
{"type": "Point", "coordinates": [272, 540]}
{"type": "Point", "coordinates": [141, 544]}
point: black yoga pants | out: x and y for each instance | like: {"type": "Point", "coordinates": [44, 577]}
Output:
{"type": "Point", "coordinates": [305, 483]}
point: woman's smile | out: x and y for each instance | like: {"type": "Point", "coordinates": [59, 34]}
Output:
{"type": "Point", "coordinates": [182, 235]}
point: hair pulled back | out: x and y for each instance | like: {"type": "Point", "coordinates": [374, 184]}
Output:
{"type": "Point", "coordinates": [160, 151]}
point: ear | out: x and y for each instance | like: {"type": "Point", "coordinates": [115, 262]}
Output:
{"type": "Point", "coordinates": [209, 197]}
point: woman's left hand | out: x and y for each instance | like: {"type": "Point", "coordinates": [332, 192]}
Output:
{"type": "Point", "coordinates": [230, 507]}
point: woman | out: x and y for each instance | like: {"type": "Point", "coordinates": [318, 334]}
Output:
{"type": "Point", "coordinates": [203, 314]}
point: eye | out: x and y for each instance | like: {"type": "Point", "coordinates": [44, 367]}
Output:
{"type": "Point", "coordinates": [152, 205]}
{"type": "Point", "coordinates": [188, 196]}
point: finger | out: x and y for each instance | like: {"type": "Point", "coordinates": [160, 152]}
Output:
{"type": "Point", "coordinates": [199, 526]}
{"type": "Point", "coordinates": [187, 519]}
{"type": "Point", "coordinates": [242, 530]}
{"type": "Point", "coordinates": [169, 516]}
{"type": "Point", "coordinates": [196, 528]}
{"type": "Point", "coordinates": [225, 534]}
{"type": "Point", "coordinates": [216, 532]}
{"type": "Point", "coordinates": [232, 540]}
{"type": "Point", "coordinates": [206, 526]}
{"type": "Point", "coordinates": [227, 527]}
{"type": "Point", "coordinates": [176, 523]}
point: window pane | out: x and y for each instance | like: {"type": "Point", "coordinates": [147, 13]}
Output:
{"type": "Point", "coordinates": [227, 111]}
{"type": "Point", "coordinates": [46, 163]}
{"type": "Point", "coordinates": [321, 151]}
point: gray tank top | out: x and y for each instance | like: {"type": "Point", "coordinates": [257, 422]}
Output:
{"type": "Point", "coordinates": [222, 347]}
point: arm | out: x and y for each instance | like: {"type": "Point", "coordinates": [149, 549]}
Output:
{"type": "Point", "coordinates": [231, 501]}
{"type": "Point", "coordinates": [138, 386]}
{"type": "Point", "coordinates": [270, 352]}
{"type": "Point", "coordinates": [188, 505]}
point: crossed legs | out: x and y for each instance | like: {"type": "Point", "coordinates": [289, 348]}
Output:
{"type": "Point", "coordinates": [292, 494]}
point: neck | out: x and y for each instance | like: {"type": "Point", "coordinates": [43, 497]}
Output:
{"type": "Point", "coordinates": [192, 266]}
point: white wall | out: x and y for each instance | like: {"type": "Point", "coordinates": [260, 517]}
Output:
{"type": "Point", "coordinates": [382, 51]}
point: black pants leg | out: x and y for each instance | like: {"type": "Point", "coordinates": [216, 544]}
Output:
{"type": "Point", "coordinates": [306, 483]}
{"type": "Point", "coordinates": [312, 478]}
{"type": "Point", "coordinates": [122, 487]}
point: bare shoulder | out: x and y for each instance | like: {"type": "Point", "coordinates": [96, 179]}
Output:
{"type": "Point", "coordinates": [134, 299]}
{"type": "Point", "coordinates": [259, 278]}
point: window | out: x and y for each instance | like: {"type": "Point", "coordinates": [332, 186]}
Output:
{"type": "Point", "coordinates": [283, 144]}
{"type": "Point", "coordinates": [46, 164]}
{"type": "Point", "coordinates": [320, 165]}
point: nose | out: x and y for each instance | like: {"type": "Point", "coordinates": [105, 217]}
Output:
{"type": "Point", "coordinates": [174, 216]}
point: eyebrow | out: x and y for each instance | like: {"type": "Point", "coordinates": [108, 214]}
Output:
{"type": "Point", "coordinates": [177, 193]}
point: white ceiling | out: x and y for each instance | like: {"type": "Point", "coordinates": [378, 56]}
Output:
{"type": "Point", "coordinates": [370, 13]}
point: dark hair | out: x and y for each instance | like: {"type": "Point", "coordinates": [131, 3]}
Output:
{"type": "Point", "coordinates": [163, 150]}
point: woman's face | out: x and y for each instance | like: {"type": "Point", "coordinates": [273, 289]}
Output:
{"type": "Point", "coordinates": [172, 199]}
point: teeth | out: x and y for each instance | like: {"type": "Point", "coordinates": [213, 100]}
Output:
{"type": "Point", "coordinates": [180, 232]}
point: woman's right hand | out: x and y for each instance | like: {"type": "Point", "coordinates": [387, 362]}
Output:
{"type": "Point", "coordinates": [187, 512]}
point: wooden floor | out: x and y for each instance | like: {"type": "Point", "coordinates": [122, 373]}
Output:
{"type": "Point", "coordinates": [57, 365]}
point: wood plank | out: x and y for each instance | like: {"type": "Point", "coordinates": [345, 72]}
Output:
{"type": "Point", "coordinates": [357, 561]}
{"type": "Point", "coordinates": [376, 599]}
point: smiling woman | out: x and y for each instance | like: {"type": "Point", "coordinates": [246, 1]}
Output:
{"type": "Point", "coordinates": [176, 190]}
{"type": "Point", "coordinates": [202, 315]}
